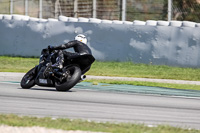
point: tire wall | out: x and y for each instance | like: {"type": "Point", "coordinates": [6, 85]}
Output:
{"type": "Point", "coordinates": [174, 43]}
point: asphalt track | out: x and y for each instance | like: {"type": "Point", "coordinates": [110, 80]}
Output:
{"type": "Point", "coordinates": [100, 106]}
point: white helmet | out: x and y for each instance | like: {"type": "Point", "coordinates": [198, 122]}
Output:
{"type": "Point", "coordinates": [81, 38]}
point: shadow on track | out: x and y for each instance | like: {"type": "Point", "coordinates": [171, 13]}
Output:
{"type": "Point", "coordinates": [45, 89]}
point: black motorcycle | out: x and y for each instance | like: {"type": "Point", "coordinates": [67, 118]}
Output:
{"type": "Point", "coordinates": [62, 79]}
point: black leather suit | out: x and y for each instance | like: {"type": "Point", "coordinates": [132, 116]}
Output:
{"type": "Point", "coordinates": [79, 48]}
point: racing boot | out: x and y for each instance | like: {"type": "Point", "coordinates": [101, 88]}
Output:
{"type": "Point", "coordinates": [59, 63]}
{"type": "Point", "coordinates": [48, 70]}
{"type": "Point", "coordinates": [42, 59]}
{"type": "Point", "coordinates": [57, 67]}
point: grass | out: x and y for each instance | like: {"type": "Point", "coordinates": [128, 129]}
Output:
{"type": "Point", "coordinates": [121, 69]}
{"type": "Point", "coordinates": [130, 69]}
{"type": "Point", "coordinates": [17, 64]}
{"type": "Point", "coordinates": [140, 83]}
{"type": "Point", "coordinates": [68, 124]}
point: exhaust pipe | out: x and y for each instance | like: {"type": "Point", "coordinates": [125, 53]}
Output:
{"type": "Point", "coordinates": [83, 77]}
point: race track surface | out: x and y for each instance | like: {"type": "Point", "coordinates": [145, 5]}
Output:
{"type": "Point", "coordinates": [100, 105]}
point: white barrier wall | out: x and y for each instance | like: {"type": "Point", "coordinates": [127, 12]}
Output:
{"type": "Point", "coordinates": [172, 43]}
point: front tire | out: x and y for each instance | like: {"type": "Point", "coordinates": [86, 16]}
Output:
{"type": "Point", "coordinates": [28, 80]}
{"type": "Point", "coordinates": [72, 80]}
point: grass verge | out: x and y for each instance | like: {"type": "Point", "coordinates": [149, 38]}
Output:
{"type": "Point", "coordinates": [121, 69]}
{"type": "Point", "coordinates": [153, 84]}
{"type": "Point", "coordinates": [130, 69]}
{"type": "Point", "coordinates": [68, 124]}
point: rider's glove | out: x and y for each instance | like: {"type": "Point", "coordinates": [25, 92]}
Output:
{"type": "Point", "coordinates": [50, 47]}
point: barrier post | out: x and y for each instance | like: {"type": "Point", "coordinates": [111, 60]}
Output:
{"type": "Point", "coordinates": [26, 7]}
{"type": "Point", "coordinates": [75, 8]}
{"type": "Point", "coordinates": [123, 10]}
{"type": "Point", "coordinates": [94, 15]}
{"type": "Point", "coordinates": [11, 7]}
{"type": "Point", "coordinates": [40, 11]}
{"type": "Point", "coordinates": [169, 10]}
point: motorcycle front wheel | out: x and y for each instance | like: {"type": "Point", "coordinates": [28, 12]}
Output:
{"type": "Point", "coordinates": [73, 78]}
{"type": "Point", "coordinates": [28, 80]}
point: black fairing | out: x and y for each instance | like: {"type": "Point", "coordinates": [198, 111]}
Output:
{"type": "Point", "coordinates": [83, 61]}
{"type": "Point", "coordinates": [40, 76]}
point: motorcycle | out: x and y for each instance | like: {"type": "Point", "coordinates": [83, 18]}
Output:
{"type": "Point", "coordinates": [62, 79]}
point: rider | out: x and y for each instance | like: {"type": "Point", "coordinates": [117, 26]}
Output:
{"type": "Point", "coordinates": [80, 48]}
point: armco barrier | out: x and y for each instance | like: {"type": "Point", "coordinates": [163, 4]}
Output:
{"type": "Point", "coordinates": [173, 43]}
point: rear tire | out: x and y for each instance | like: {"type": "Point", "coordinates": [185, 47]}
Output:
{"type": "Point", "coordinates": [28, 80]}
{"type": "Point", "coordinates": [72, 80]}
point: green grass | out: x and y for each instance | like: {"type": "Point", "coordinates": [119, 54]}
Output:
{"type": "Point", "coordinates": [130, 69]}
{"type": "Point", "coordinates": [140, 83]}
{"type": "Point", "coordinates": [17, 64]}
{"type": "Point", "coordinates": [67, 124]}
{"type": "Point", "coordinates": [121, 69]}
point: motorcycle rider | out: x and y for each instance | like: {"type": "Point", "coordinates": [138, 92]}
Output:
{"type": "Point", "coordinates": [79, 44]}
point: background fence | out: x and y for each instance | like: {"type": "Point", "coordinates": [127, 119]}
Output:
{"type": "Point", "coordinates": [106, 9]}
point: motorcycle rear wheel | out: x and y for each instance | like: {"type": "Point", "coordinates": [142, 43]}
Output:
{"type": "Point", "coordinates": [72, 80]}
{"type": "Point", "coordinates": [28, 80]}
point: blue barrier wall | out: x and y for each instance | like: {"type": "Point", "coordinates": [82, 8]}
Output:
{"type": "Point", "coordinates": [172, 43]}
